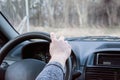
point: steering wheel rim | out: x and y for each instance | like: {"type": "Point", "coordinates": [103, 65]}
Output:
{"type": "Point", "coordinates": [27, 36]}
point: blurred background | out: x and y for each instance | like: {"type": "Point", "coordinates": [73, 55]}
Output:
{"type": "Point", "coordinates": [65, 17]}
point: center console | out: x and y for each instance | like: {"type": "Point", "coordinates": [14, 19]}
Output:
{"type": "Point", "coordinates": [106, 66]}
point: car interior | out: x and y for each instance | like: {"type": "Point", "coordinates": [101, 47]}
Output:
{"type": "Point", "coordinates": [22, 57]}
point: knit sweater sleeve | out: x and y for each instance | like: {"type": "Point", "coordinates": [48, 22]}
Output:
{"type": "Point", "coordinates": [52, 71]}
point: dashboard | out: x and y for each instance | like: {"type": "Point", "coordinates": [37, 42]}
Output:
{"type": "Point", "coordinates": [95, 60]}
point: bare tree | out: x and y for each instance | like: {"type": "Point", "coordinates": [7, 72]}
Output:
{"type": "Point", "coordinates": [104, 13]}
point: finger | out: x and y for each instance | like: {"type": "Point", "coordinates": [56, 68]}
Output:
{"type": "Point", "coordinates": [69, 46]}
{"type": "Point", "coordinates": [66, 42]}
{"type": "Point", "coordinates": [61, 38]}
{"type": "Point", "coordinates": [53, 36]}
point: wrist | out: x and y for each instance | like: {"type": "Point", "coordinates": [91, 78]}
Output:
{"type": "Point", "coordinates": [59, 60]}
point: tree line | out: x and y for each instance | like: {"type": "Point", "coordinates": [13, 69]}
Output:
{"type": "Point", "coordinates": [64, 13]}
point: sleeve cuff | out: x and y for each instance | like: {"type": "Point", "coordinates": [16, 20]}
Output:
{"type": "Point", "coordinates": [56, 64]}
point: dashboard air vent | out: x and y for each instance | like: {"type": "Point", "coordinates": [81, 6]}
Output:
{"type": "Point", "coordinates": [102, 73]}
{"type": "Point", "coordinates": [108, 58]}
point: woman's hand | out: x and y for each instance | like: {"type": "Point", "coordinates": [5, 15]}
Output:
{"type": "Point", "coordinates": [60, 50]}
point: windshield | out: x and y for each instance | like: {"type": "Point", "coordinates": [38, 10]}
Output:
{"type": "Point", "coordinates": [71, 18]}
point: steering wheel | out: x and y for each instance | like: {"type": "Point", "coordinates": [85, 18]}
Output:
{"type": "Point", "coordinates": [27, 69]}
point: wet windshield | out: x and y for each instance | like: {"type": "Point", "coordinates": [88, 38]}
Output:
{"type": "Point", "coordinates": [71, 18]}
